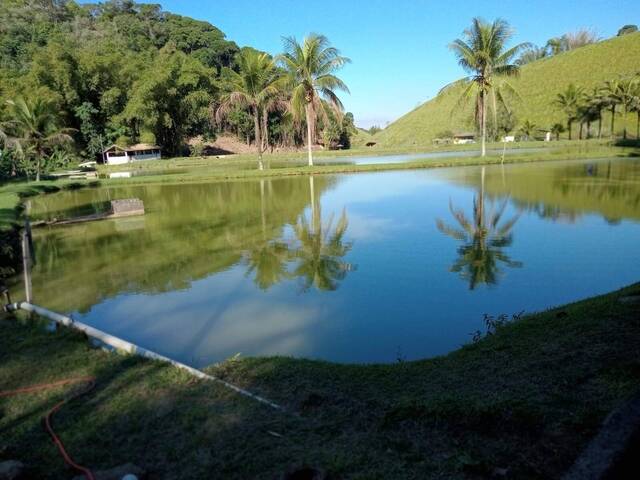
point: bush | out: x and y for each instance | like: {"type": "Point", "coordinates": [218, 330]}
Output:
{"type": "Point", "coordinates": [197, 149]}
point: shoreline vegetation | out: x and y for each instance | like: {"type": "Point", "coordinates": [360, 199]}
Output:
{"type": "Point", "coordinates": [522, 402]}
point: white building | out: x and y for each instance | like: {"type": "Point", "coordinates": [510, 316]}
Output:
{"type": "Point", "coordinates": [115, 155]}
{"type": "Point", "coordinates": [464, 138]}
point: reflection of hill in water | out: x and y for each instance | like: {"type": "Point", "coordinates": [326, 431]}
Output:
{"type": "Point", "coordinates": [567, 190]}
{"type": "Point", "coordinates": [189, 232]}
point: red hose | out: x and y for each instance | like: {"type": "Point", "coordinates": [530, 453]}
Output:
{"type": "Point", "coordinates": [91, 381]}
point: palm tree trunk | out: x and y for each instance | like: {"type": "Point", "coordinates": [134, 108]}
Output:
{"type": "Point", "coordinates": [599, 124]}
{"type": "Point", "coordinates": [484, 124]}
{"type": "Point", "coordinates": [580, 134]}
{"type": "Point", "coordinates": [638, 126]}
{"type": "Point", "coordinates": [624, 124]}
{"type": "Point", "coordinates": [256, 123]}
{"type": "Point", "coordinates": [38, 157]}
{"type": "Point", "coordinates": [307, 109]}
{"type": "Point", "coordinates": [613, 121]}
{"type": "Point", "coordinates": [569, 122]}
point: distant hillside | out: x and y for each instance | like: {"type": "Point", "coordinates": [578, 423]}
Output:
{"type": "Point", "coordinates": [537, 86]}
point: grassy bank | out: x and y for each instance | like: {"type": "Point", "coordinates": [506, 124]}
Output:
{"type": "Point", "coordinates": [525, 399]}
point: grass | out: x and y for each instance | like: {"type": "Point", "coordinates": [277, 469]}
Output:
{"type": "Point", "coordinates": [538, 85]}
{"type": "Point", "coordinates": [525, 399]}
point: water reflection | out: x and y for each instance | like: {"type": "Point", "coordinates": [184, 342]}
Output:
{"type": "Point", "coordinates": [314, 255]}
{"type": "Point", "coordinates": [321, 248]}
{"type": "Point", "coordinates": [484, 239]}
{"type": "Point", "coordinates": [563, 191]}
{"type": "Point", "coordinates": [266, 267]}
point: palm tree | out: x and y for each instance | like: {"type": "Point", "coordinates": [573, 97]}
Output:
{"type": "Point", "coordinates": [626, 94]}
{"type": "Point", "coordinates": [611, 93]}
{"type": "Point", "coordinates": [636, 107]}
{"type": "Point", "coordinates": [483, 56]}
{"type": "Point", "coordinates": [597, 102]}
{"type": "Point", "coordinates": [33, 130]}
{"type": "Point", "coordinates": [569, 101]}
{"type": "Point", "coordinates": [310, 76]}
{"type": "Point", "coordinates": [484, 238]}
{"type": "Point", "coordinates": [528, 129]}
{"type": "Point", "coordinates": [321, 248]}
{"type": "Point", "coordinates": [557, 129]}
{"type": "Point", "coordinates": [255, 88]}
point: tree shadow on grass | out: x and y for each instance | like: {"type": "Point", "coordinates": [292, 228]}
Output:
{"type": "Point", "coordinates": [525, 399]}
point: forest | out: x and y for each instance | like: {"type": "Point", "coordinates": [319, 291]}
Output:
{"type": "Point", "coordinates": [125, 73]}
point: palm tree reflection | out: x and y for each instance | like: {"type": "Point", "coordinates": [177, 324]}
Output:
{"type": "Point", "coordinates": [320, 248]}
{"type": "Point", "coordinates": [314, 255]}
{"type": "Point", "coordinates": [484, 237]}
{"type": "Point", "coordinates": [268, 257]}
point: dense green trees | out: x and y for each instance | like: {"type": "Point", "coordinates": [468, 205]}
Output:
{"type": "Point", "coordinates": [484, 55]}
{"type": "Point", "coordinates": [123, 72]}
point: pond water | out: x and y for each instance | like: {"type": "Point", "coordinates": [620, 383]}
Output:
{"type": "Point", "coordinates": [367, 267]}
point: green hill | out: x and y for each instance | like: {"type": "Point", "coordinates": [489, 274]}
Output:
{"type": "Point", "coordinates": [537, 86]}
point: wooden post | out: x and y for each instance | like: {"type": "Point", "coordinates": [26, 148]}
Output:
{"type": "Point", "coordinates": [26, 260]}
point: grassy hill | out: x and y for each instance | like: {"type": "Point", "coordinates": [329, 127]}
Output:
{"type": "Point", "coordinates": [537, 86]}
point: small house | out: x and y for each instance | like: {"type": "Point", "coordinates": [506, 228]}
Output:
{"type": "Point", "coordinates": [463, 138]}
{"type": "Point", "coordinates": [116, 155]}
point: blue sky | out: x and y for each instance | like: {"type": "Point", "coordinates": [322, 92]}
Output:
{"type": "Point", "coordinates": [398, 47]}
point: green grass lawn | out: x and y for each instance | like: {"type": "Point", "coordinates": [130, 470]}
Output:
{"type": "Point", "coordinates": [537, 87]}
{"type": "Point", "coordinates": [526, 399]}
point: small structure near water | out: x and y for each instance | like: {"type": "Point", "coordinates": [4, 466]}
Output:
{"type": "Point", "coordinates": [464, 138]}
{"type": "Point", "coordinates": [118, 208]}
{"type": "Point", "coordinates": [116, 155]}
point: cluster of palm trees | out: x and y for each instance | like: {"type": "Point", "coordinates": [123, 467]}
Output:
{"type": "Point", "coordinates": [300, 81]}
{"type": "Point", "coordinates": [618, 96]}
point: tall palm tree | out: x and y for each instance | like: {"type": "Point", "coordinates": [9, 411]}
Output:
{"type": "Point", "coordinates": [483, 55]}
{"type": "Point", "coordinates": [597, 102]}
{"type": "Point", "coordinates": [484, 239]}
{"type": "Point", "coordinates": [320, 248]}
{"type": "Point", "coordinates": [33, 129]}
{"type": "Point", "coordinates": [636, 106]}
{"type": "Point", "coordinates": [569, 101]}
{"type": "Point", "coordinates": [626, 95]}
{"type": "Point", "coordinates": [310, 77]}
{"type": "Point", "coordinates": [611, 92]}
{"type": "Point", "coordinates": [254, 87]}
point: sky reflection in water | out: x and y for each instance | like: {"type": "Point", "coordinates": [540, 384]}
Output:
{"type": "Point", "coordinates": [353, 268]}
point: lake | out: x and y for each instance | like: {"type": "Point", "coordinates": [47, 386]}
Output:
{"type": "Point", "coordinates": [367, 267]}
